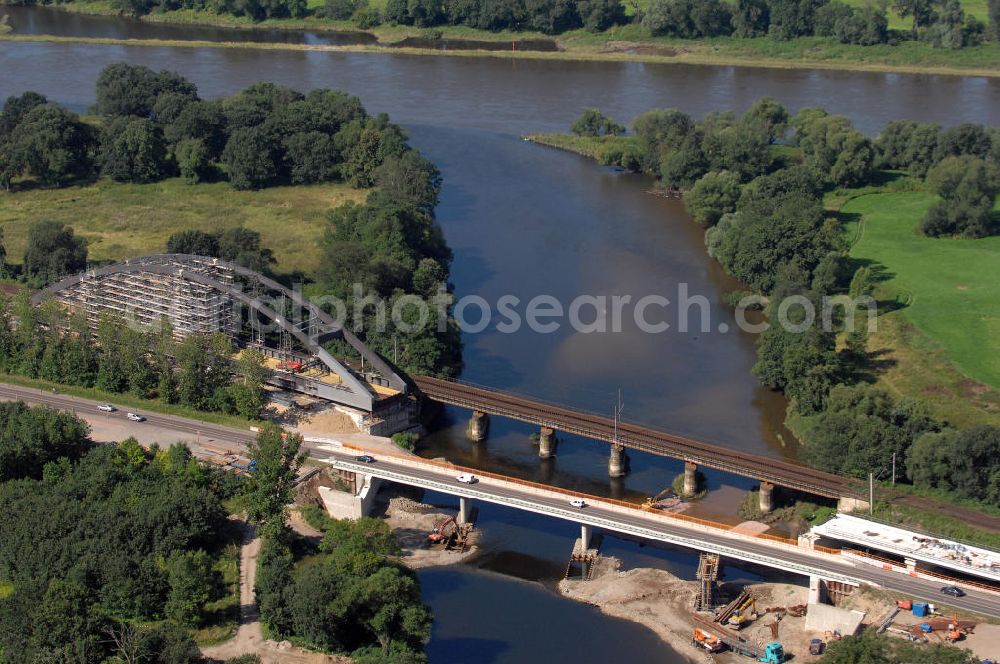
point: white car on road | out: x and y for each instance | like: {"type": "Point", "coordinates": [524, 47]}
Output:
{"type": "Point", "coordinates": [578, 503]}
{"type": "Point", "coordinates": [135, 417]}
{"type": "Point", "coordinates": [107, 408]}
{"type": "Point", "coordinates": [467, 478]}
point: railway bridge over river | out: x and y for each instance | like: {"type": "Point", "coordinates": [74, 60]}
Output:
{"type": "Point", "coordinates": [200, 295]}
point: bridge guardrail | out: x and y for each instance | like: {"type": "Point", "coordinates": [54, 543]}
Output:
{"type": "Point", "coordinates": [922, 572]}
{"type": "Point", "coordinates": [621, 504]}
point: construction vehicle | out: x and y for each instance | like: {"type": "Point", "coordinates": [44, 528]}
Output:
{"type": "Point", "coordinates": [774, 653]}
{"type": "Point", "coordinates": [709, 642]}
{"type": "Point", "coordinates": [816, 646]}
{"type": "Point", "coordinates": [955, 633]}
{"type": "Point", "coordinates": [290, 365]}
{"type": "Point", "coordinates": [445, 532]}
{"type": "Point", "coordinates": [745, 613]}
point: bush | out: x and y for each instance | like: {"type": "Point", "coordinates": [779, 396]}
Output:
{"type": "Point", "coordinates": [715, 194]}
{"type": "Point", "coordinates": [367, 17]}
{"type": "Point", "coordinates": [341, 10]}
{"type": "Point", "coordinates": [593, 123]}
{"type": "Point", "coordinates": [192, 160]}
{"type": "Point", "coordinates": [406, 440]}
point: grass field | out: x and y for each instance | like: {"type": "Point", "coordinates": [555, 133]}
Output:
{"type": "Point", "coordinates": [124, 220]}
{"type": "Point", "coordinates": [945, 340]}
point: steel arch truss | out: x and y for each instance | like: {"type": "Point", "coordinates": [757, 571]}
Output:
{"type": "Point", "coordinates": [217, 276]}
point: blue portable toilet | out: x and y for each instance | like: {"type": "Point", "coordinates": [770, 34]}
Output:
{"type": "Point", "coordinates": [920, 609]}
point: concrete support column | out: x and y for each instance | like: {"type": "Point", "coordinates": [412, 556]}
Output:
{"type": "Point", "coordinates": [911, 565]}
{"type": "Point", "coordinates": [479, 424]}
{"type": "Point", "coordinates": [464, 505]}
{"type": "Point", "coordinates": [766, 497]}
{"type": "Point", "coordinates": [815, 590]}
{"type": "Point", "coordinates": [618, 462]}
{"type": "Point", "coordinates": [584, 538]}
{"type": "Point", "coordinates": [690, 478]}
{"type": "Point", "coordinates": [546, 443]}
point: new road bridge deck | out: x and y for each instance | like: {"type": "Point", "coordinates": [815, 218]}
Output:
{"type": "Point", "coordinates": [618, 517]}
{"type": "Point", "coordinates": [606, 514]}
{"type": "Point", "coordinates": [764, 469]}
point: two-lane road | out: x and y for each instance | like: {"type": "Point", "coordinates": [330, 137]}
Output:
{"type": "Point", "coordinates": [548, 501]}
{"type": "Point", "coordinates": [608, 516]}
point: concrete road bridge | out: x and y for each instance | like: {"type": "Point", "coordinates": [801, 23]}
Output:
{"type": "Point", "coordinates": [823, 566]}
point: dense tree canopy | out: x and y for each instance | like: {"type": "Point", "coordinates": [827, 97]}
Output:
{"type": "Point", "coordinates": [862, 428]}
{"type": "Point", "coordinates": [83, 543]}
{"type": "Point", "coordinates": [966, 463]}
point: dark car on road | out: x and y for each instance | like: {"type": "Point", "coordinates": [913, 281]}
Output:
{"type": "Point", "coordinates": [365, 458]}
{"type": "Point", "coordinates": [954, 591]}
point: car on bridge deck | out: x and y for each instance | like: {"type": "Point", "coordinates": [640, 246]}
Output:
{"type": "Point", "coordinates": [135, 417]}
{"type": "Point", "coordinates": [365, 458]}
{"type": "Point", "coordinates": [578, 503]}
{"type": "Point", "coordinates": [107, 408]}
{"type": "Point", "coordinates": [467, 478]}
{"type": "Point", "coordinates": [954, 591]}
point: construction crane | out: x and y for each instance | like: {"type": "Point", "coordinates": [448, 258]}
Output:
{"type": "Point", "coordinates": [709, 642]}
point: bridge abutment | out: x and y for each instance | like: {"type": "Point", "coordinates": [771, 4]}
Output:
{"type": "Point", "coordinates": [690, 478]}
{"type": "Point", "coordinates": [546, 443]}
{"type": "Point", "coordinates": [618, 461]}
{"type": "Point", "coordinates": [479, 424]}
{"type": "Point", "coordinates": [766, 497]}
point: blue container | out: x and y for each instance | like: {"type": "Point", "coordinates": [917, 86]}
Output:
{"type": "Point", "coordinates": [920, 609]}
{"type": "Point", "coordinates": [926, 627]}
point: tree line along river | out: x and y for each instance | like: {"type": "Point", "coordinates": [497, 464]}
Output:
{"type": "Point", "coordinates": [525, 220]}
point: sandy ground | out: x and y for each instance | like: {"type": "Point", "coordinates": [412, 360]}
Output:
{"type": "Point", "coordinates": [412, 522]}
{"type": "Point", "coordinates": [662, 602]}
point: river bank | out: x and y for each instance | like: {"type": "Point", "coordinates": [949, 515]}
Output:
{"type": "Point", "coordinates": [624, 44]}
{"type": "Point", "coordinates": [662, 602]}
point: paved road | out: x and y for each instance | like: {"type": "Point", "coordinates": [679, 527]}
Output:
{"type": "Point", "coordinates": [550, 502]}
{"type": "Point", "coordinates": [186, 428]}
{"type": "Point", "coordinates": [610, 517]}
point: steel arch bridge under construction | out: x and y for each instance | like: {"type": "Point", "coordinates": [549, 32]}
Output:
{"type": "Point", "coordinates": [204, 295]}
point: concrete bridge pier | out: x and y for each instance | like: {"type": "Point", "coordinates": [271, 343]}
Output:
{"type": "Point", "coordinates": [585, 535]}
{"type": "Point", "coordinates": [464, 507]}
{"type": "Point", "coordinates": [546, 443]}
{"type": "Point", "coordinates": [766, 497]}
{"type": "Point", "coordinates": [815, 590]}
{"type": "Point", "coordinates": [690, 478]}
{"type": "Point", "coordinates": [618, 462]}
{"type": "Point", "coordinates": [479, 424]}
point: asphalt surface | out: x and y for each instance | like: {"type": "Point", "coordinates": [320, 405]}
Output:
{"type": "Point", "coordinates": [555, 505]}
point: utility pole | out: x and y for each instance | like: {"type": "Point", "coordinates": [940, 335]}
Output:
{"type": "Point", "coordinates": [618, 414]}
{"type": "Point", "coordinates": [871, 493]}
{"type": "Point", "coordinates": [395, 360]}
{"type": "Point", "coordinates": [894, 469]}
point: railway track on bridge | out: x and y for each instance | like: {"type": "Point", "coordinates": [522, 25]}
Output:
{"type": "Point", "coordinates": [633, 436]}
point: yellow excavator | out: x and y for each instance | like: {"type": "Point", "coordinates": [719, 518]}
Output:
{"type": "Point", "coordinates": [745, 613]}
